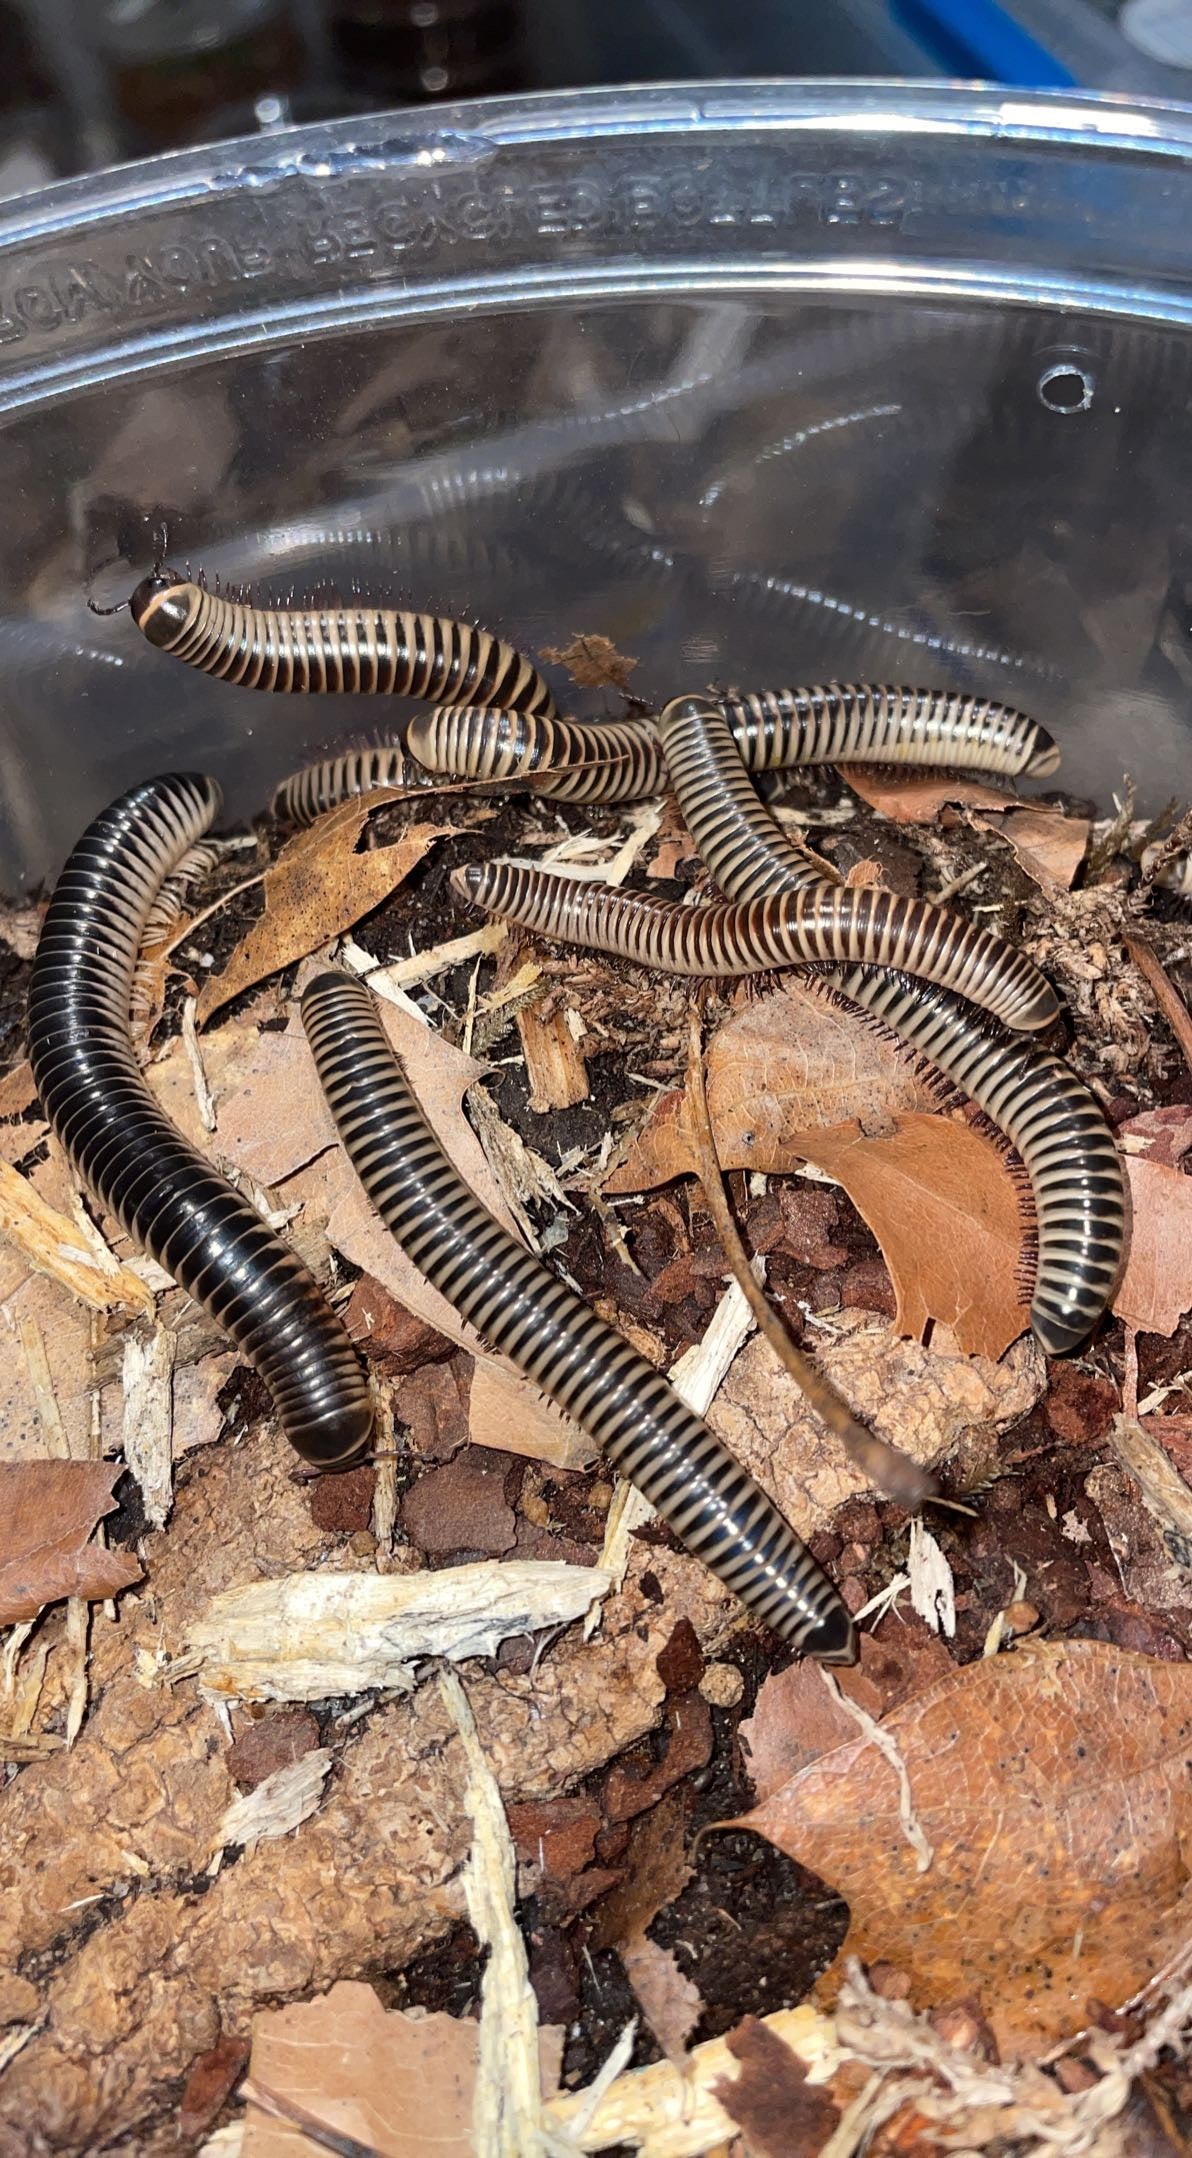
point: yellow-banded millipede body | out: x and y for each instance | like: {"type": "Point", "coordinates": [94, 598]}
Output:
{"type": "Point", "coordinates": [129, 1155]}
{"type": "Point", "coordinates": [823, 922]}
{"type": "Point", "coordinates": [577, 1359]}
{"type": "Point", "coordinates": [350, 646]}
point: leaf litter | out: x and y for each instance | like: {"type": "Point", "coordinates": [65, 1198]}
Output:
{"type": "Point", "coordinates": [308, 1843]}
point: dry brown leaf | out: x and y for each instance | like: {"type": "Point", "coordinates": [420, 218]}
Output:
{"type": "Point", "coordinates": [942, 1204]}
{"type": "Point", "coordinates": [319, 885]}
{"type": "Point", "coordinates": [782, 2114]}
{"type": "Point", "coordinates": [17, 1091]}
{"type": "Point", "coordinates": [1159, 1134]}
{"type": "Point", "coordinates": [592, 661]}
{"type": "Point", "coordinates": [1156, 1285]}
{"type": "Point", "coordinates": [792, 1061]}
{"type": "Point", "coordinates": [1053, 1789]}
{"type": "Point", "coordinates": [402, 2084]}
{"type": "Point", "coordinates": [937, 1194]}
{"type": "Point", "coordinates": [49, 1509]}
{"type": "Point", "coordinates": [917, 798]}
{"type": "Point", "coordinates": [669, 2002]}
{"type": "Point", "coordinates": [1049, 845]}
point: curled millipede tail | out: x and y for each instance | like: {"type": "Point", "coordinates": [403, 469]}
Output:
{"type": "Point", "coordinates": [579, 1361]}
{"type": "Point", "coordinates": [133, 1160]}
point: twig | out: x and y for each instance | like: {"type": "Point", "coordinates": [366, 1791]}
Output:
{"type": "Point", "coordinates": [877, 1735]}
{"type": "Point", "coordinates": [880, 1463]}
{"type": "Point", "coordinates": [314, 2130]}
{"type": "Point", "coordinates": [1166, 996]}
{"type": "Point", "coordinates": [195, 921]}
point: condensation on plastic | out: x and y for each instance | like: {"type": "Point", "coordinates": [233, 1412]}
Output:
{"type": "Point", "coordinates": [764, 382]}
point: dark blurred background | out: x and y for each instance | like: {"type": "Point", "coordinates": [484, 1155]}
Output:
{"type": "Point", "coordinates": [91, 82]}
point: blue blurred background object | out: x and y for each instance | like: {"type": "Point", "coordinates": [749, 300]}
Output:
{"type": "Point", "coordinates": [86, 82]}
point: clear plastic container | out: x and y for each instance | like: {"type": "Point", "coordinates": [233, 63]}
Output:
{"type": "Point", "coordinates": [766, 383]}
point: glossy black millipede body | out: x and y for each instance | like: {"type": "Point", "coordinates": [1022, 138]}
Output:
{"type": "Point", "coordinates": [133, 1160]}
{"type": "Point", "coordinates": [865, 926]}
{"type": "Point", "coordinates": [365, 650]}
{"type": "Point", "coordinates": [578, 1360]}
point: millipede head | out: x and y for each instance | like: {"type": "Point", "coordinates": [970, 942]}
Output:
{"type": "Point", "coordinates": [1044, 757]}
{"type": "Point", "coordinates": [468, 881]}
{"type": "Point", "coordinates": [161, 605]}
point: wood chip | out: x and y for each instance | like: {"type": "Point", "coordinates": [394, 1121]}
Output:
{"type": "Point", "coordinates": [555, 1066]}
{"type": "Point", "coordinates": [507, 2109]}
{"type": "Point", "coordinates": [305, 1636]}
{"type": "Point", "coordinates": [50, 1243]}
{"type": "Point", "coordinates": [148, 1381]}
{"type": "Point", "coordinates": [279, 1804]}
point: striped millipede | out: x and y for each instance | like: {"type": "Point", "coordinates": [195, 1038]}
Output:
{"type": "Point", "coordinates": [770, 730]}
{"type": "Point", "coordinates": [823, 922]}
{"type": "Point", "coordinates": [577, 1359]}
{"type": "Point", "coordinates": [128, 1154]}
{"type": "Point", "coordinates": [317, 787]}
{"type": "Point", "coordinates": [1053, 1122]}
{"type": "Point", "coordinates": [365, 650]}
{"type": "Point", "coordinates": [1066, 1146]}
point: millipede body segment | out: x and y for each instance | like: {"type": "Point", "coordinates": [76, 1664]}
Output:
{"type": "Point", "coordinates": [1067, 1148]}
{"type": "Point", "coordinates": [867, 926]}
{"type": "Point", "coordinates": [318, 787]}
{"type": "Point", "coordinates": [129, 1155]}
{"type": "Point", "coordinates": [371, 651]}
{"type": "Point", "coordinates": [579, 1361]}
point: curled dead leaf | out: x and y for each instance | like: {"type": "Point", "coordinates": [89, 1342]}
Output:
{"type": "Point", "coordinates": [49, 1509]}
{"type": "Point", "coordinates": [938, 1194]}
{"type": "Point", "coordinates": [318, 886]}
{"type": "Point", "coordinates": [1052, 1786]}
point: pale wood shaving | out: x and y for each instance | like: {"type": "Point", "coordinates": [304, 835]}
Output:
{"type": "Point", "coordinates": [305, 1636]}
{"type": "Point", "coordinates": [190, 1043]}
{"type": "Point", "coordinates": [147, 1375]}
{"type": "Point", "coordinates": [1164, 1492]}
{"type": "Point", "coordinates": [667, 2114]}
{"type": "Point", "coordinates": [49, 1242]}
{"type": "Point", "coordinates": [525, 1177]}
{"type": "Point", "coordinates": [37, 1364]}
{"type": "Point", "coordinates": [278, 1804]}
{"type": "Point", "coordinates": [933, 1591]}
{"type": "Point", "coordinates": [78, 1629]}
{"type": "Point", "coordinates": [384, 1505]}
{"type": "Point", "coordinates": [479, 943]}
{"type": "Point", "coordinates": [507, 2113]}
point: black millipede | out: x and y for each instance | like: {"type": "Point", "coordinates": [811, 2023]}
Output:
{"type": "Point", "coordinates": [577, 1359]}
{"type": "Point", "coordinates": [771, 730]}
{"type": "Point", "coordinates": [822, 922]}
{"type": "Point", "coordinates": [129, 1155]}
{"type": "Point", "coordinates": [1066, 1145]}
{"type": "Point", "coordinates": [365, 650]}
